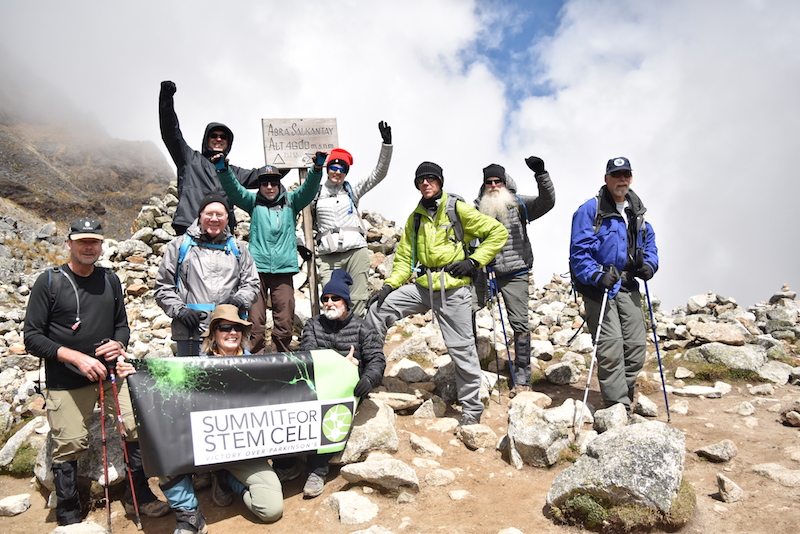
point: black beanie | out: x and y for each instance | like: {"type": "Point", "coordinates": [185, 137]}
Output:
{"type": "Point", "coordinates": [213, 196]}
{"type": "Point", "coordinates": [338, 285]}
{"type": "Point", "coordinates": [494, 171]}
{"type": "Point", "coordinates": [427, 168]}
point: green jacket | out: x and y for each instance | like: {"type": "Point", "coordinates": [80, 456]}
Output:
{"type": "Point", "coordinates": [436, 244]}
{"type": "Point", "coordinates": [272, 238]}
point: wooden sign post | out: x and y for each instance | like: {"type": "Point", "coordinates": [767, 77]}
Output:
{"type": "Point", "coordinates": [291, 144]}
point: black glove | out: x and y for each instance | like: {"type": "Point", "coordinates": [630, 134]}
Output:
{"type": "Point", "coordinates": [304, 253]}
{"type": "Point", "coordinates": [386, 132]}
{"type": "Point", "coordinates": [190, 318]}
{"type": "Point", "coordinates": [319, 159]}
{"type": "Point", "coordinates": [379, 296]}
{"type": "Point", "coordinates": [645, 272]}
{"type": "Point", "coordinates": [363, 387]}
{"type": "Point", "coordinates": [536, 165]}
{"type": "Point", "coordinates": [235, 301]}
{"type": "Point", "coordinates": [462, 268]}
{"type": "Point", "coordinates": [609, 278]}
{"type": "Point", "coordinates": [168, 88]}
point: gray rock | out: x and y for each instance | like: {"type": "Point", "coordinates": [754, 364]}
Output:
{"type": "Point", "coordinates": [636, 464]}
{"type": "Point", "coordinates": [431, 408]}
{"type": "Point", "coordinates": [408, 371]}
{"type": "Point", "coordinates": [729, 491]}
{"type": "Point", "coordinates": [762, 389]}
{"type": "Point", "coordinates": [746, 357]}
{"type": "Point", "coordinates": [724, 451]}
{"type": "Point", "coordinates": [86, 527]}
{"type": "Point", "coordinates": [542, 349]}
{"type": "Point", "coordinates": [424, 446]}
{"type": "Point", "coordinates": [614, 417]}
{"type": "Point", "coordinates": [728, 334]}
{"type": "Point", "coordinates": [353, 509]}
{"type": "Point", "coordinates": [373, 430]}
{"type": "Point", "coordinates": [698, 391]}
{"type": "Point", "coordinates": [415, 346]}
{"type": "Point", "coordinates": [562, 374]}
{"type": "Point", "coordinates": [477, 436]}
{"type": "Point", "coordinates": [440, 477]}
{"type": "Point", "coordinates": [18, 440]}
{"type": "Point", "coordinates": [645, 407]}
{"type": "Point", "coordinates": [374, 529]}
{"type": "Point", "coordinates": [776, 372]}
{"type": "Point", "coordinates": [791, 418]}
{"type": "Point", "coordinates": [531, 439]}
{"type": "Point", "coordinates": [389, 474]}
{"type": "Point", "coordinates": [15, 504]}
{"type": "Point", "coordinates": [777, 473]}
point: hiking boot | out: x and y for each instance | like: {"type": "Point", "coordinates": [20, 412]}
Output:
{"type": "Point", "coordinates": [285, 474]}
{"type": "Point", "coordinates": [190, 522]}
{"type": "Point", "coordinates": [513, 393]}
{"type": "Point", "coordinates": [201, 480]}
{"type": "Point", "coordinates": [469, 419]}
{"type": "Point", "coordinates": [154, 508]}
{"type": "Point", "coordinates": [314, 486]}
{"type": "Point", "coordinates": [221, 492]}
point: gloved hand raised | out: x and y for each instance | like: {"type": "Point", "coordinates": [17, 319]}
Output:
{"type": "Point", "coordinates": [645, 272]}
{"type": "Point", "coordinates": [190, 318]}
{"type": "Point", "coordinates": [609, 278]}
{"type": "Point", "coordinates": [168, 88]}
{"type": "Point", "coordinates": [462, 268]}
{"type": "Point", "coordinates": [305, 253]}
{"type": "Point", "coordinates": [386, 132]}
{"type": "Point", "coordinates": [536, 165]}
{"type": "Point", "coordinates": [319, 158]}
{"type": "Point", "coordinates": [363, 387]}
{"type": "Point", "coordinates": [379, 296]}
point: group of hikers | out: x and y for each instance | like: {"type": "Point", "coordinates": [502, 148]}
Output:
{"type": "Point", "coordinates": [217, 290]}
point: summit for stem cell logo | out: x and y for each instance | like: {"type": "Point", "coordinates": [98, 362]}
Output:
{"type": "Point", "coordinates": [337, 420]}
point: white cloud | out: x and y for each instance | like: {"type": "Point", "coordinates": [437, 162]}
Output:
{"type": "Point", "coordinates": [700, 95]}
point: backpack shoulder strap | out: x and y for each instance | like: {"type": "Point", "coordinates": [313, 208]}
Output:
{"type": "Point", "coordinates": [188, 242]}
{"type": "Point", "coordinates": [598, 219]}
{"type": "Point", "coordinates": [523, 211]}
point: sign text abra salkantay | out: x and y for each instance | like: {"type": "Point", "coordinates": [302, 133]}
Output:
{"type": "Point", "coordinates": [291, 143]}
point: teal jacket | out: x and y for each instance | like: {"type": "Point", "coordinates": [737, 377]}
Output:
{"type": "Point", "coordinates": [272, 238]}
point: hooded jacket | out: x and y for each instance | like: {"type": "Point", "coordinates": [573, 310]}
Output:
{"type": "Point", "coordinates": [516, 257]}
{"type": "Point", "coordinates": [207, 276]}
{"type": "Point", "coordinates": [272, 223]}
{"type": "Point", "coordinates": [337, 221]}
{"type": "Point", "coordinates": [196, 174]}
{"type": "Point", "coordinates": [436, 245]}
{"type": "Point", "coordinates": [626, 246]}
{"type": "Point", "coordinates": [320, 332]}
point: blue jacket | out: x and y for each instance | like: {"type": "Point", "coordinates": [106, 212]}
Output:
{"type": "Point", "coordinates": [626, 247]}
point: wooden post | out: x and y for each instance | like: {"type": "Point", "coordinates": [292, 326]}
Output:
{"type": "Point", "coordinates": [311, 266]}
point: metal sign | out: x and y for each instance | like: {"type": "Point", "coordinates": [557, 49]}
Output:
{"type": "Point", "coordinates": [291, 143]}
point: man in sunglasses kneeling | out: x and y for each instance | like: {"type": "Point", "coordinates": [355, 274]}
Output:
{"type": "Point", "coordinates": [337, 328]}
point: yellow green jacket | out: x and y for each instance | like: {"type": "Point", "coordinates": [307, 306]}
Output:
{"type": "Point", "coordinates": [436, 245]}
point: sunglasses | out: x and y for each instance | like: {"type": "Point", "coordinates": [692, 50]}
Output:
{"type": "Point", "coordinates": [621, 174]}
{"type": "Point", "coordinates": [332, 298]}
{"type": "Point", "coordinates": [228, 327]}
{"type": "Point", "coordinates": [492, 182]}
{"type": "Point", "coordinates": [274, 182]}
{"type": "Point", "coordinates": [222, 136]}
{"type": "Point", "coordinates": [427, 178]}
{"type": "Point", "coordinates": [336, 168]}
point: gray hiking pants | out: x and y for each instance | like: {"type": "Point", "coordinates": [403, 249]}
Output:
{"type": "Point", "coordinates": [456, 327]}
{"type": "Point", "coordinates": [621, 347]}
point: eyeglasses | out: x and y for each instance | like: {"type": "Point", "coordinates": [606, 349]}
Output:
{"type": "Point", "coordinates": [227, 327]}
{"type": "Point", "coordinates": [621, 174]}
{"type": "Point", "coordinates": [492, 182]}
{"type": "Point", "coordinates": [427, 178]}
{"type": "Point", "coordinates": [336, 168]}
{"type": "Point", "coordinates": [332, 298]}
{"type": "Point", "coordinates": [214, 215]}
{"type": "Point", "coordinates": [218, 135]}
{"type": "Point", "coordinates": [274, 182]}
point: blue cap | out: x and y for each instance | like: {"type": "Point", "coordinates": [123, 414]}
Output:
{"type": "Point", "coordinates": [618, 164]}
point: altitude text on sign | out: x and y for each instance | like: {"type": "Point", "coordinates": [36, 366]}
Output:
{"type": "Point", "coordinates": [291, 143]}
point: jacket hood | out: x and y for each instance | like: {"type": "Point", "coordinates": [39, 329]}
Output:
{"type": "Point", "coordinates": [261, 200]}
{"type": "Point", "coordinates": [607, 204]}
{"type": "Point", "coordinates": [216, 126]}
{"type": "Point", "coordinates": [511, 185]}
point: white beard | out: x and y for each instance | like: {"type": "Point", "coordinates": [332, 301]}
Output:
{"type": "Point", "coordinates": [496, 203]}
{"type": "Point", "coordinates": [334, 314]}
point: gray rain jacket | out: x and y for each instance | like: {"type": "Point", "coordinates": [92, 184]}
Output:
{"type": "Point", "coordinates": [208, 276]}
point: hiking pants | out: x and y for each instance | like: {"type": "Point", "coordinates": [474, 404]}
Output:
{"type": "Point", "coordinates": [259, 487]}
{"type": "Point", "coordinates": [621, 347]}
{"type": "Point", "coordinates": [356, 263]}
{"type": "Point", "coordinates": [456, 327]}
{"type": "Point", "coordinates": [280, 289]}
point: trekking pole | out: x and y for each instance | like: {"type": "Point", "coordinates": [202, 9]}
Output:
{"type": "Point", "coordinates": [591, 365]}
{"type": "Point", "coordinates": [658, 353]}
{"type": "Point", "coordinates": [102, 384]}
{"type": "Point", "coordinates": [493, 283]}
{"type": "Point", "coordinates": [123, 436]}
{"type": "Point", "coordinates": [492, 301]}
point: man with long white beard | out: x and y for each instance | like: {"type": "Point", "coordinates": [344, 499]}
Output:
{"type": "Point", "coordinates": [337, 328]}
{"type": "Point", "coordinates": [512, 266]}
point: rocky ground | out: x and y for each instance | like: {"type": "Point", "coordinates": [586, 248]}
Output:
{"type": "Point", "coordinates": [487, 494]}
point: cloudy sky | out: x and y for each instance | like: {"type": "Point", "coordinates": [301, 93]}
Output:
{"type": "Point", "coordinates": [701, 96]}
